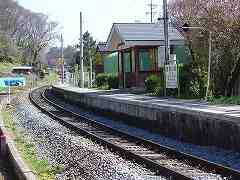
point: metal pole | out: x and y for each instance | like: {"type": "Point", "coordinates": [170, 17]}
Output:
{"type": "Point", "coordinates": [165, 30]}
{"type": "Point", "coordinates": [81, 53]}
{"type": "Point", "coordinates": [90, 71]}
{"type": "Point", "coordinates": [9, 92]}
{"type": "Point", "coordinates": [178, 81]}
{"type": "Point", "coordinates": [151, 5]}
{"type": "Point", "coordinates": [209, 63]}
{"type": "Point", "coordinates": [62, 60]}
{"type": "Point", "coordinates": [165, 17]}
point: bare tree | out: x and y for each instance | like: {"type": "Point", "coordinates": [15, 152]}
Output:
{"type": "Point", "coordinates": [222, 18]}
{"type": "Point", "coordinates": [31, 32]}
{"type": "Point", "coordinates": [40, 33]}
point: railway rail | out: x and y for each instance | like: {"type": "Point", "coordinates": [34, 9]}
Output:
{"type": "Point", "coordinates": [163, 160]}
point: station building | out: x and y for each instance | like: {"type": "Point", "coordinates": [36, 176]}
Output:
{"type": "Point", "coordinates": [133, 51]}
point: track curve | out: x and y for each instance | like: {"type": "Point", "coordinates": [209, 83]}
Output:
{"type": "Point", "coordinates": [163, 160]}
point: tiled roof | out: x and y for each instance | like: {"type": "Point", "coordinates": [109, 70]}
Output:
{"type": "Point", "coordinates": [146, 31]}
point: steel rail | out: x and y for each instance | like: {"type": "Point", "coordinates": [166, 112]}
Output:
{"type": "Point", "coordinates": [151, 164]}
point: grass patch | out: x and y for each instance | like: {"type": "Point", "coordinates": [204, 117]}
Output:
{"type": "Point", "coordinates": [7, 67]}
{"type": "Point", "coordinates": [27, 149]}
{"type": "Point", "coordinates": [226, 100]}
{"type": "Point", "coordinates": [50, 79]}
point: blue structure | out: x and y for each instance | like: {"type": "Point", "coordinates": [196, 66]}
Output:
{"type": "Point", "coordinates": [12, 81]}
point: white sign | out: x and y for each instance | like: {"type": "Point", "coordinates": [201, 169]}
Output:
{"type": "Point", "coordinates": [161, 56]}
{"type": "Point", "coordinates": [171, 76]}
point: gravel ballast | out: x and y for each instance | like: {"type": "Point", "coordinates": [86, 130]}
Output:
{"type": "Point", "coordinates": [82, 158]}
{"type": "Point", "coordinates": [225, 157]}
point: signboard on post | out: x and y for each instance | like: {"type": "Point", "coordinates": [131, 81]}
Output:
{"type": "Point", "coordinates": [161, 56]}
{"type": "Point", "coordinates": [12, 81]}
{"type": "Point", "coordinates": [171, 76]}
{"type": "Point", "coordinates": [171, 73]}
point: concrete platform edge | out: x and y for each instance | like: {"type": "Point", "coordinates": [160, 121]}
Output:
{"type": "Point", "coordinates": [189, 124]}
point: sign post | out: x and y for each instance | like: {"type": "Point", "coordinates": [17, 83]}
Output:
{"type": "Point", "coordinates": [7, 82]}
{"type": "Point", "coordinates": [171, 73]}
{"type": "Point", "coordinates": [171, 76]}
{"type": "Point", "coordinates": [9, 92]}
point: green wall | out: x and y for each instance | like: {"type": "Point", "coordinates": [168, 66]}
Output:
{"type": "Point", "coordinates": [111, 63]}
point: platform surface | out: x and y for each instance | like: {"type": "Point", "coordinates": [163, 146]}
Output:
{"type": "Point", "coordinates": [228, 111]}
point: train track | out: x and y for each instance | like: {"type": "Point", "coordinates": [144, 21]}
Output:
{"type": "Point", "coordinates": [163, 160]}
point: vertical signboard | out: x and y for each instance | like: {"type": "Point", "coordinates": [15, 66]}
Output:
{"type": "Point", "coordinates": [161, 56]}
{"type": "Point", "coordinates": [171, 75]}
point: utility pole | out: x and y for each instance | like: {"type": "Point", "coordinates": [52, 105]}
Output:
{"type": "Point", "coordinates": [152, 7]}
{"type": "Point", "coordinates": [91, 71]}
{"type": "Point", "coordinates": [209, 63]}
{"type": "Point", "coordinates": [165, 18]}
{"type": "Point", "coordinates": [62, 60]}
{"type": "Point", "coordinates": [81, 53]}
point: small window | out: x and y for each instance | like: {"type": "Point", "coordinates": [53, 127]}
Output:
{"type": "Point", "coordinates": [127, 61]}
{"type": "Point", "coordinates": [147, 59]}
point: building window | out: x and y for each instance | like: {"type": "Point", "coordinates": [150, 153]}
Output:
{"type": "Point", "coordinates": [147, 59]}
{"type": "Point", "coordinates": [127, 61]}
{"type": "Point", "coordinates": [111, 63]}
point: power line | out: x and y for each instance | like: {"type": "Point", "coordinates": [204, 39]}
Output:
{"type": "Point", "coordinates": [152, 8]}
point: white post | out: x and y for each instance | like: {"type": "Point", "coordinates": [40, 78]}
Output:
{"type": "Point", "coordinates": [165, 17]}
{"type": "Point", "coordinates": [81, 52]}
{"type": "Point", "coordinates": [90, 71]}
{"type": "Point", "coordinates": [62, 60]}
{"type": "Point", "coordinates": [209, 63]}
{"type": "Point", "coordinates": [9, 92]}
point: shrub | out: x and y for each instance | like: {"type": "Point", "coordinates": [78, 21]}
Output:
{"type": "Point", "coordinates": [151, 83]}
{"type": "Point", "coordinates": [101, 79]}
{"type": "Point", "coordinates": [159, 91]}
{"type": "Point", "coordinates": [112, 81]}
{"type": "Point", "coordinates": [6, 59]}
{"type": "Point", "coordinates": [192, 82]}
{"type": "Point", "coordinates": [107, 80]}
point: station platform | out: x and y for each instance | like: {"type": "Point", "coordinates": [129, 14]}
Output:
{"type": "Point", "coordinates": [192, 121]}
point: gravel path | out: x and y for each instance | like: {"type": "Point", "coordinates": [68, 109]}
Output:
{"type": "Point", "coordinates": [82, 158]}
{"type": "Point", "coordinates": [212, 153]}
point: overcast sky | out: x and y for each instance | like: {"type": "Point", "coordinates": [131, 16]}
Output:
{"type": "Point", "coordinates": [98, 15]}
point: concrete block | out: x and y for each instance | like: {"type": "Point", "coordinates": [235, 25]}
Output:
{"type": "Point", "coordinates": [191, 124]}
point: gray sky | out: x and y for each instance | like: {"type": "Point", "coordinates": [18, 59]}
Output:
{"type": "Point", "coordinates": [98, 15]}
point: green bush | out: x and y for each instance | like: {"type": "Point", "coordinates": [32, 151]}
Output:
{"type": "Point", "coordinates": [6, 59]}
{"type": "Point", "coordinates": [151, 83]}
{"type": "Point", "coordinates": [112, 81]}
{"type": "Point", "coordinates": [225, 100]}
{"type": "Point", "coordinates": [192, 82]}
{"type": "Point", "coordinates": [107, 80]}
{"type": "Point", "coordinates": [101, 79]}
{"type": "Point", "coordinates": [159, 91]}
